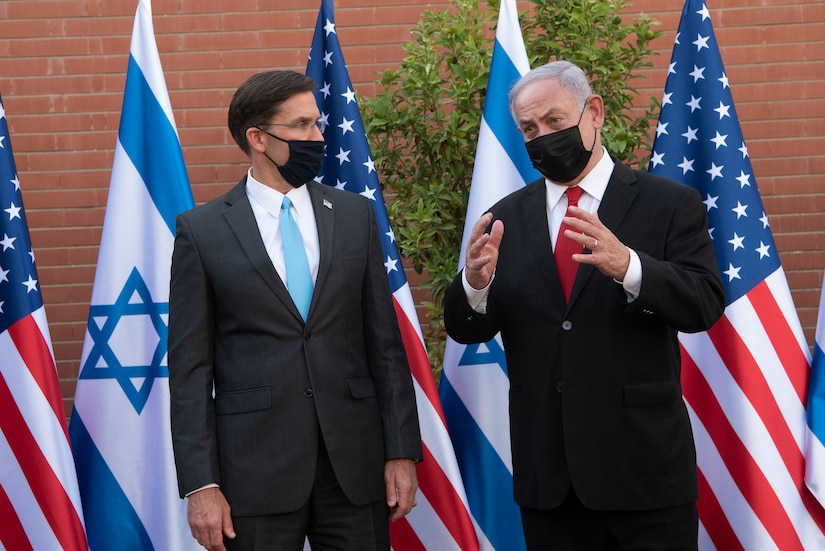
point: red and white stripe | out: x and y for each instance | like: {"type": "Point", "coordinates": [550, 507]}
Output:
{"type": "Point", "coordinates": [441, 520]}
{"type": "Point", "coordinates": [39, 499]}
{"type": "Point", "coordinates": [745, 384]}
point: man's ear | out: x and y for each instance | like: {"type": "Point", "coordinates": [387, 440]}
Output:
{"type": "Point", "coordinates": [595, 109]}
{"type": "Point", "coordinates": [255, 139]}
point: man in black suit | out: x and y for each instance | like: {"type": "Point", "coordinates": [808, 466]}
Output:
{"type": "Point", "coordinates": [287, 422]}
{"type": "Point", "coordinates": [603, 454]}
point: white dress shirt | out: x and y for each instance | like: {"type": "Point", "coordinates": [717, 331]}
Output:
{"type": "Point", "coordinates": [266, 206]}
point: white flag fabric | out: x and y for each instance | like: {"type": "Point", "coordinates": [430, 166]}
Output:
{"type": "Point", "coordinates": [474, 384]}
{"type": "Point", "coordinates": [119, 429]}
{"type": "Point", "coordinates": [39, 498]}
{"type": "Point", "coordinates": [745, 379]}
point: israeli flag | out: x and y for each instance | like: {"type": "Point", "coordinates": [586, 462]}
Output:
{"type": "Point", "coordinates": [815, 454]}
{"type": "Point", "coordinates": [474, 385]}
{"type": "Point", "coordinates": [119, 428]}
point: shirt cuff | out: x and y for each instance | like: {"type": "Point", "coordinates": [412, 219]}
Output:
{"type": "Point", "coordinates": [632, 282]}
{"type": "Point", "coordinates": [476, 298]}
{"type": "Point", "coordinates": [211, 485]}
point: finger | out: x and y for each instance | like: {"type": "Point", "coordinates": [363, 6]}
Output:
{"type": "Point", "coordinates": [581, 238]}
{"type": "Point", "coordinates": [580, 213]}
{"type": "Point", "coordinates": [580, 226]}
{"type": "Point", "coordinates": [391, 494]}
{"type": "Point", "coordinates": [496, 234]}
{"type": "Point", "coordinates": [228, 527]}
{"type": "Point", "coordinates": [480, 225]}
{"type": "Point", "coordinates": [402, 509]}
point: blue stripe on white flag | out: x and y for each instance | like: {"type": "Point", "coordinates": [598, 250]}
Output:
{"type": "Point", "coordinates": [124, 524]}
{"type": "Point", "coordinates": [815, 453]}
{"type": "Point", "coordinates": [503, 74]}
{"type": "Point", "coordinates": [160, 161]}
{"type": "Point", "coordinates": [493, 507]}
{"type": "Point", "coordinates": [816, 391]}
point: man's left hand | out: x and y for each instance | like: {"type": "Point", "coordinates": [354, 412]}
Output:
{"type": "Point", "coordinates": [608, 254]}
{"type": "Point", "coordinates": [402, 483]}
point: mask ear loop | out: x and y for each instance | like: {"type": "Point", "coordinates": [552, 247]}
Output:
{"type": "Point", "coordinates": [595, 130]}
{"type": "Point", "coordinates": [280, 139]}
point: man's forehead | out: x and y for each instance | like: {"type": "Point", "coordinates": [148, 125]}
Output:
{"type": "Point", "coordinates": [547, 93]}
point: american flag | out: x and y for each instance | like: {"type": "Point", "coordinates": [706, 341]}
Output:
{"type": "Point", "coordinates": [441, 520]}
{"type": "Point", "coordinates": [745, 380]}
{"type": "Point", "coordinates": [39, 498]}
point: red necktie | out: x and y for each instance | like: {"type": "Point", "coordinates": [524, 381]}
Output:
{"type": "Point", "coordinates": [566, 248]}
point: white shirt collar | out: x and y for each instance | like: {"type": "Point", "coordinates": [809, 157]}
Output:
{"type": "Point", "coordinates": [594, 184]}
{"type": "Point", "coordinates": [271, 199]}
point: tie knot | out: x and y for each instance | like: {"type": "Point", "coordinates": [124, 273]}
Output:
{"type": "Point", "coordinates": [286, 203]}
{"type": "Point", "coordinates": [573, 195]}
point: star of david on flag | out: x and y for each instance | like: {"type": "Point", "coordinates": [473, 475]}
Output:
{"type": "Point", "coordinates": [744, 380]}
{"type": "Point", "coordinates": [441, 520]}
{"type": "Point", "coordinates": [120, 428]}
{"type": "Point", "coordinates": [109, 351]}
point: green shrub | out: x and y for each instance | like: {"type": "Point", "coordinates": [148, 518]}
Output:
{"type": "Point", "coordinates": [424, 127]}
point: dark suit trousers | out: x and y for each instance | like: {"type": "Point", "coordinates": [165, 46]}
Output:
{"type": "Point", "coordinates": [328, 519]}
{"type": "Point", "coordinates": [573, 527]}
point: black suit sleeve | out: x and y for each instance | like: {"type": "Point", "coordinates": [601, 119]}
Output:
{"type": "Point", "coordinates": [684, 288]}
{"type": "Point", "coordinates": [191, 327]}
{"type": "Point", "coordinates": [463, 324]}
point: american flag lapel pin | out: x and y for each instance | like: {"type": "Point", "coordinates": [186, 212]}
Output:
{"type": "Point", "coordinates": [327, 204]}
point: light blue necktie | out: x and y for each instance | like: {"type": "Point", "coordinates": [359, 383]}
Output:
{"type": "Point", "coordinates": [298, 277]}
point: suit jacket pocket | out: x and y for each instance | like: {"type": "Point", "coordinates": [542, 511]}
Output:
{"type": "Point", "coordinates": [650, 394]}
{"type": "Point", "coordinates": [243, 401]}
{"type": "Point", "coordinates": [362, 387]}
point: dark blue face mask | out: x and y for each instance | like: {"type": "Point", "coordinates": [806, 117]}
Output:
{"type": "Point", "coordinates": [305, 160]}
{"type": "Point", "coordinates": [560, 156]}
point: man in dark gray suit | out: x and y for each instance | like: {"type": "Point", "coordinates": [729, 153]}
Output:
{"type": "Point", "coordinates": [289, 420]}
{"type": "Point", "coordinates": [589, 300]}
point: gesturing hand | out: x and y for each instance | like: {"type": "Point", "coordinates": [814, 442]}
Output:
{"type": "Point", "coordinates": [608, 254]}
{"type": "Point", "coordinates": [482, 251]}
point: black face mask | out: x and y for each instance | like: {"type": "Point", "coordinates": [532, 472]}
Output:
{"type": "Point", "coordinates": [560, 156]}
{"type": "Point", "coordinates": [305, 160]}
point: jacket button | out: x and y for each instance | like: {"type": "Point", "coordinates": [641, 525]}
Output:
{"type": "Point", "coordinates": [559, 387]}
{"type": "Point", "coordinates": [308, 393]}
{"type": "Point", "coordinates": [308, 336]}
{"type": "Point", "coordinates": [567, 325]}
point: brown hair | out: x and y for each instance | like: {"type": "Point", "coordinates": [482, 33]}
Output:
{"type": "Point", "coordinates": [258, 99]}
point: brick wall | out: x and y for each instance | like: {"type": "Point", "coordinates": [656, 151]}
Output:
{"type": "Point", "coordinates": [62, 73]}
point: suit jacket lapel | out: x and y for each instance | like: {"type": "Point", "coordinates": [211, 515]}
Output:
{"type": "Point", "coordinates": [534, 212]}
{"type": "Point", "coordinates": [241, 220]}
{"type": "Point", "coordinates": [323, 206]}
